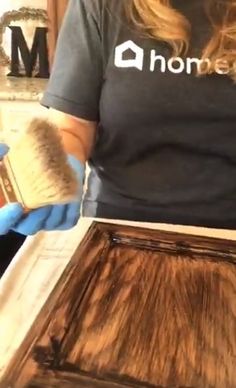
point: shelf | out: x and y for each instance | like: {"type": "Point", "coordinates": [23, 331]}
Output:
{"type": "Point", "coordinates": [21, 89]}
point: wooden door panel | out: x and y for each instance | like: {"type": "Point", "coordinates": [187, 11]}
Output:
{"type": "Point", "coordinates": [72, 380]}
{"type": "Point", "coordinates": [136, 308]}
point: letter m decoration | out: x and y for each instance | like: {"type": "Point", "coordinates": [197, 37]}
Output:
{"type": "Point", "coordinates": [29, 57]}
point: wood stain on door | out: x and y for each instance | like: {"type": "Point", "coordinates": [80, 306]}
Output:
{"type": "Point", "coordinates": [136, 308]}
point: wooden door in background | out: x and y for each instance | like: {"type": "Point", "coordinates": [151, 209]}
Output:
{"type": "Point", "coordinates": [136, 308]}
{"type": "Point", "coordinates": [56, 10]}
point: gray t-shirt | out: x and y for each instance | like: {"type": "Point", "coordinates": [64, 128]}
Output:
{"type": "Point", "coordinates": [166, 139]}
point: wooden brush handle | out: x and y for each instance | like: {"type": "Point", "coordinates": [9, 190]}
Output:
{"type": "Point", "coordinates": [7, 193]}
{"type": "Point", "coordinates": [3, 200]}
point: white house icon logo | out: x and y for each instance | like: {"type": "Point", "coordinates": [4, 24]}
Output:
{"type": "Point", "coordinates": [136, 62]}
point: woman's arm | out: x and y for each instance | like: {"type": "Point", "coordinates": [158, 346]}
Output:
{"type": "Point", "coordinates": [78, 135]}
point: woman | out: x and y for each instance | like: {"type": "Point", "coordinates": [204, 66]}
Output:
{"type": "Point", "coordinates": [144, 90]}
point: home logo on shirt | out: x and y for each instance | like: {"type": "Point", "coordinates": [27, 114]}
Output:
{"type": "Point", "coordinates": [129, 46]}
{"type": "Point", "coordinates": [157, 62]}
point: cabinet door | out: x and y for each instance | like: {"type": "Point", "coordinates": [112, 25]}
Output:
{"type": "Point", "coordinates": [136, 308]}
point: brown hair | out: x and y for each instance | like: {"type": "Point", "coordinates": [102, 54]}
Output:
{"type": "Point", "coordinates": [159, 20]}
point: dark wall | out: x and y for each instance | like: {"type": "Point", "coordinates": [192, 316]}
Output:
{"type": "Point", "coordinates": [9, 245]}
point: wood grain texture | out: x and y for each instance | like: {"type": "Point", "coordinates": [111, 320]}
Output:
{"type": "Point", "coordinates": [72, 380]}
{"type": "Point", "coordinates": [136, 308]}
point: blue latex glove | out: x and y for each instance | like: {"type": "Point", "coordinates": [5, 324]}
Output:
{"type": "Point", "coordinates": [57, 217]}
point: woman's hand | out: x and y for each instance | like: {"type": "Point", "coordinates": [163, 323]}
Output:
{"type": "Point", "coordinates": [56, 217]}
{"type": "Point", "coordinates": [10, 215]}
{"type": "Point", "coordinates": [78, 137]}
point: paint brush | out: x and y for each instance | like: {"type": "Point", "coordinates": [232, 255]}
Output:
{"type": "Point", "coordinates": [36, 172]}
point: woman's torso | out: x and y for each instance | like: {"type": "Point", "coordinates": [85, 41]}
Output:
{"type": "Point", "coordinates": [166, 145]}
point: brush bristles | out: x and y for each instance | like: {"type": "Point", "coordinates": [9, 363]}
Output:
{"type": "Point", "coordinates": [40, 166]}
